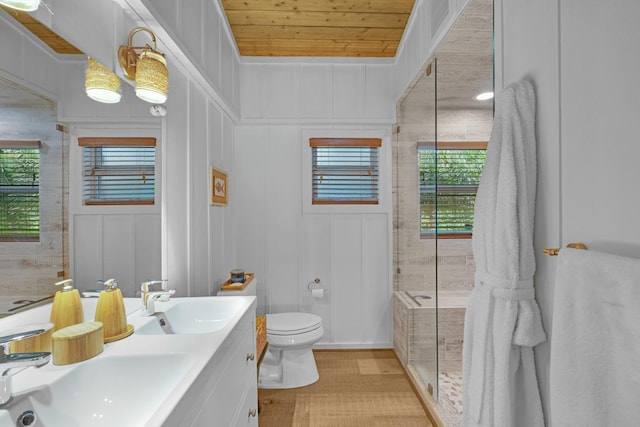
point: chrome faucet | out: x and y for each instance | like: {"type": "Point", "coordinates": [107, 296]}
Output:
{"type": "Point", "coordinates": [152, 291]}
{"type": "Point", "coordinates": [17, 360]}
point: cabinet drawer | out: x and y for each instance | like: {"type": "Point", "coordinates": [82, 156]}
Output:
{"type": "Point", "coordinates": [248, 414]}
{"type": "Point", "coordinates": [225, 399]}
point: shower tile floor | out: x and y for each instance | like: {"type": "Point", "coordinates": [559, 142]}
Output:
{"type": "Point", "coordinates": [450, 398]}
{"type": "Point", "coordinates": [449, 405]}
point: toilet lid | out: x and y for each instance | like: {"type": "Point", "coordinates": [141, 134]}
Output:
{"type": "Point", "coordinates": [292, 323]}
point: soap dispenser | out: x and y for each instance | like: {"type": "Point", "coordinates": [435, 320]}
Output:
{"type": "Point", "coordinates": [67, 307]}
{"type": "Point", "coordinates": [111, 312]}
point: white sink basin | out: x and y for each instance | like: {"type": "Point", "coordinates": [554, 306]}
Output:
{"type": "Point", "coordinates": [147, 379]}
{"type": "Point", "coordinates": [105, 391]}
{"type": "Point", "coordinates": [191, 315]}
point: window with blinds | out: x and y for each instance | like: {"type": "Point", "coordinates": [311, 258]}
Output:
{"type": "Point", "coordinates": [345, 170]}
{"type": "Point", "coordinates": [118, 171]}
{"type": "Point", "coordinates": [449, 178]}
{"type": "Point", "coordinates": [19, 191]}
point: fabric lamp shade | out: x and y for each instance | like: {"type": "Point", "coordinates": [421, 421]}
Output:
{"type": "Point", "coordinates": [152, 77]}
{"type": "Point", "coordinates": [101, 84]}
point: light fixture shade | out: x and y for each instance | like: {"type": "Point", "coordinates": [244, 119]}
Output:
{"type": "Point", "coordinates": [24, 5]}
{"type": "Point", "coordinates": [152, 77]}
{"type": "Point", "coordinates": [101, 84]}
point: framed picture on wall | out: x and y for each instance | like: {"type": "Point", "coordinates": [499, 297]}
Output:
{"type": "Point", "coordinates": [219, 190]}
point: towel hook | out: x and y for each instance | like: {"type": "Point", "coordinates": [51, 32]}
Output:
{"type": "Point", "coordinates": [555, 251]}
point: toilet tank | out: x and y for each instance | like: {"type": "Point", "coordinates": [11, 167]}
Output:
{"type": "Point", "coordinates": [248, 290]}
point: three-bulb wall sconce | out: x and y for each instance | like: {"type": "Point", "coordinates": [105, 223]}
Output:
{"type": "Point", "coordinates": [142, 64]}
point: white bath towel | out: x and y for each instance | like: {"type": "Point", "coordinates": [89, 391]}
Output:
{"type": "Point", "coordinates": [595, 341]}
{"type": "Point", "coordinates": [502, 322]}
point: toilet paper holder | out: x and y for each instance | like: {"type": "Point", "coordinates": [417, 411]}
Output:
{"type": "Point", "coordinates": [317, 292]}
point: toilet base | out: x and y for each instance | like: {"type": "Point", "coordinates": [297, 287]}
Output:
{"type": "Point", "coordinates": [290, 368]}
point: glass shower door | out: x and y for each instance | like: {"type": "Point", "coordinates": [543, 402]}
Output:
{"type": "Point", "coordinates": [415, 315]}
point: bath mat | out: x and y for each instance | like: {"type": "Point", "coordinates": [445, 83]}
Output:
{"type": "Point", "coordinates": [362, 409]}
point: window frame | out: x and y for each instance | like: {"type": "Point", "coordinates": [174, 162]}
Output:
{"type": "Point", "coordinates": [98, 142]}
{"type": "Point", "coordinates": [26, 145]}
{"type": "Point", "coordinates": [335, 199]}
{"type": "Point", "coordinates": [448, 145]}
{"type": "Point", "coordinates": [384, 171]}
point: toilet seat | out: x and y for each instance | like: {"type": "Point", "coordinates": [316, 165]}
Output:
{"type": "Point", "coordinates": [292, 323]}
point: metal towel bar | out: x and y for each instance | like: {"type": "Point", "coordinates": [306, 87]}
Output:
{"type": "Point", "coordinates": [554, 251]}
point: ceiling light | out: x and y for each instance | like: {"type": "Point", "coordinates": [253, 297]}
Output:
{"type": "Point", "coordinates": [101, 84]}
{"type": "Point", "coordinates": [147, 67]}
{"type": "Point", "coordinates": [23, 5]}
{"type": "Point", "coordinates": [485, 96]}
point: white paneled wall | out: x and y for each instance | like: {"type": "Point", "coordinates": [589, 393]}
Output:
{"type": "Point", "coordinates": [287, 245]}
{"type": "Point", "coordinates": [197, 191]}
{"type": "Point", "coordinates": [287, 249]}
{"type": "Point", "coordinates": [305, 92]}
{"type": "Point", "coordinates": [585, 126]}
{"type": "Point", "coordinates": [121, 242]}
{"type": "Point", "coordinates": [121, 246]}
{"type": "Point", "coordinates": [195, 34]}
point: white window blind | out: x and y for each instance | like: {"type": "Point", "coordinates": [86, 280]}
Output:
{"type": "Point", "coordinates": [345, 170]}
{"type": "Point", "coordinates": [20, 190]}
{"type": "Point", "coordinates": [118, 171]}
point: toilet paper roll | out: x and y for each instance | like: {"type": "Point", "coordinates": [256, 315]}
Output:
{"type": "Point", "coordinates": [317, 293]}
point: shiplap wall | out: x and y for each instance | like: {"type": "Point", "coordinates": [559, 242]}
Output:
{"type": "Point", "coordinates": [587, 107]}
{"type": "Point", "coordinates": [282, 244]}
{"type": "Point", "coordinates": [198, 247]}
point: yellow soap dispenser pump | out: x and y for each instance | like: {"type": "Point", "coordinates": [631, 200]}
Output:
{"type": "Point", "coordinates": [67, 307]}
{"type": "Point", "coordinates": [111, 312]}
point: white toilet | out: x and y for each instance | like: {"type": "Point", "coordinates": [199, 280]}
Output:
{"type": "Point", "coordinates": [289, 361]}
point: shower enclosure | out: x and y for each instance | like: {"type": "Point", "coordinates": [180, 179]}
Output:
{"type": "Point", "coordinates": [433, 259]}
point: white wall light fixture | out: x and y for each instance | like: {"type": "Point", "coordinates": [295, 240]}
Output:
{"type": "Point", "coordinates": [147, 67]}
{"type": "Point", "coordinates": [23, 5]}
{"type": "Point", "coordinates": [102, 84]}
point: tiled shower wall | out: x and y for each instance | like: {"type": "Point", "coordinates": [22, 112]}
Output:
{"type": "Point", "coordinates": [415, 258]}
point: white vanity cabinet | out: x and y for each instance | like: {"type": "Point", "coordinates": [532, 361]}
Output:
{"type": "Point", "coordinates": [226, 392]}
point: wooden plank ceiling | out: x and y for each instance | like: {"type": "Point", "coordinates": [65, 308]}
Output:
{"type": "Point", "coordinates": [340, 28]}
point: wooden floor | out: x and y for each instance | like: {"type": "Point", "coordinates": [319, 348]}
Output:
{"type": "Point", "coordinates": [356, 388]}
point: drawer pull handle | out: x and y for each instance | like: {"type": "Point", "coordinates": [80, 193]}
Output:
{"type": "Point", "coordinates": [252, 412]}
{"type": "Point", "coordinates": [250, 356]}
